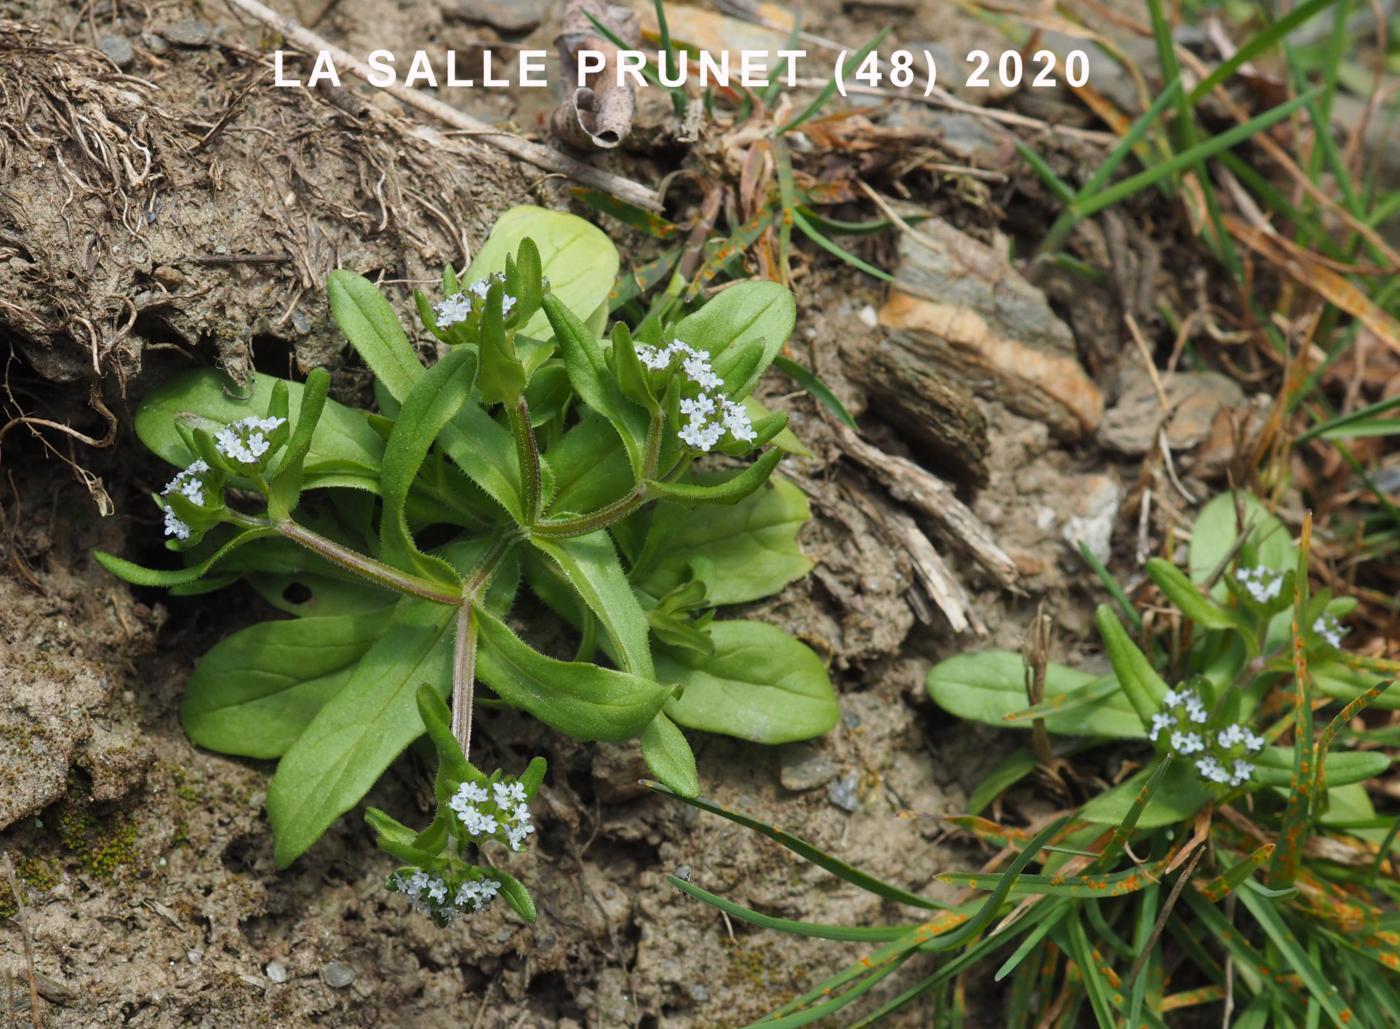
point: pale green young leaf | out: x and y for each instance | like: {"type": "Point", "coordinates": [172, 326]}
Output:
{"type": "Point", "coordinates": [760, 684]}
{"type": "Point", "coordinates": [1179, 795]}
{"type": "Point", "coordinates": [743, 329]}
{"type": "Point", "coordinates": [576, 257]}
{"type": "Point", "coordinates": [138, 575]}
{"type": "Point", "coordinates": [728, 490]}
{"type": "Point", "coordinates": [1217, 527]}
{"type": "Point", "coordinates": [988, 685]}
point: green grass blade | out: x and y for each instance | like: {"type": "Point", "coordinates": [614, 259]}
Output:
{"type": "Point", "coordinates": [866, 934]}
{"type": "Point", "coordinates": [809, 381]}
{"type": "Point", "coordinates": [808, 851]}
{"type": "Point", "coordinates": [1314, 978]}
{"type": "Point", "coordinates": [1256, 45]}
{"type": "Point", "coordinates": [829, 90]}
{"type": "Point", "coordinates": [807, 229]}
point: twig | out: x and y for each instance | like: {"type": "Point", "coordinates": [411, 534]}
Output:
{"type": "Point", "coordinates": [22, 916]}
{"type": "Point", "coordinates": [923, 490]}
{"type": "Point", "coordinates": [533, 153]}
{"type": "Point", "coordinates": [1161, 922]}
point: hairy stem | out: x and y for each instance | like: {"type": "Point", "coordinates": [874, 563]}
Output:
{"type": "Point", "coordinates": [528, 452]}
{"type": "Point", "coordinates": [599, 519]}
{"type": "Point", "coordinates": [375, 571]}
{"type": "Point", "coordinates": [464, 678]}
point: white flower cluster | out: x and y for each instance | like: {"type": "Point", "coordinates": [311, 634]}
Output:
{"type": "Point", "coordinates": [1195, 712]}
{"type": "Point", "coordinates": [501, 814]}
{"type": "Point", "coordinates": [1329, 629]}
{"type": "Point", "coordinates": [190, 485]}
{"type": "Point", "coordinates": [1260, 583]}
{"type": "Point", "coordinates": [245, 441]}
{"type": "Point", "coordinates": [458, 306]}
{"type": "Point", "coordinates": [429, 894]}
{"type": "Point", "coordinates": [1225, 763]}
{"type": "Point", "coordinates": [710, 416]}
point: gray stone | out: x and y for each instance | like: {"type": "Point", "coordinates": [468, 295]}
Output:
{"type": "Point", "coordinates": [337, 976]}
{"type": "Point", "coordinates": [1130, 426]}
{"type": "Point", "coordinates": [276, 971]}
{"type": "Point", "coordinates": [507, 15]}
{"type": "Point", "coordinates": [805, 768]}
{"type": "Point", "coordinates": [845, 793]}
{"type": "Point", "coordinates": [188, 32]}
{"type": "Point", "coordinates": [1094, 514]}
{"type": "Point", "coordinates": [118, 50]}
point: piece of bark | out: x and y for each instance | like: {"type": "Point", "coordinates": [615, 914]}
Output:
{"type": "Point", "coordinates": [597, 112]}
{"type": "Point", "coordinates": [930, 570]}
{"type": "Point", "coordinates": [959, 305]}
{"type": "Point", "coordinates": [936, 416]}
{"type": "Point", "coordinates": [934, 498]}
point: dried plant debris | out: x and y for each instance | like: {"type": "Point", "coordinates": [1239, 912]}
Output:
{"type": "Point", "coordinates": [137, 214]}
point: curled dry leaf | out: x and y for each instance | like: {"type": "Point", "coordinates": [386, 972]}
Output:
{"type": "Point", "coordinates": [597, 112]}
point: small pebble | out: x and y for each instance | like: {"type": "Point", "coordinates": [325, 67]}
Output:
{"type": "Point", "coordinates": [869, 317]}
{"type": "Point", "coordinates": [844, 793]}
{"type": "Point", "coordinates": [118, 50]}
{"type": "Point", "coordinates": [188, 32]}
{"type": "Point", "coordinates": [195, 956]}
{"type": "Point", "coordinates": [276, 971]}
{"type": "Point", "coordinates": [337, 976]}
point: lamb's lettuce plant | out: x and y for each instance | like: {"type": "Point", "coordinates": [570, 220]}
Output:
{"type": "Point", "coordinates": [1227, 855]}
{"type": "Point", "coordinates": [608, 473]}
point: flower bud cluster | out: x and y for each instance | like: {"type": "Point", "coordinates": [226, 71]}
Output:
{"type": "Point", "coordinates": [444, 897]}
{"type": "Point", "coordinates": [1223, 752]}
{"type": "Point", "coordinates": [1329, 629]}
{"type": "Point", "coordinates": [458, 307]}
{"type": "Point", "coordinates": [499, 813]}
{"type": "Point", "coordinates": [709, 414]}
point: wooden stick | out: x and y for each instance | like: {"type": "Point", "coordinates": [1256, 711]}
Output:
{"type": "Point", "coordinates": [533, 153]}
{"type": "Point", "coordinates": [935, 499]}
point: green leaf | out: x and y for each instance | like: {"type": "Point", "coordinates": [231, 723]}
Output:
{"type": "Point", "coordinates": [427, 408]}
{"type": "Point", "coordinates": [1216, 529]}
{"type": "Point", "coordinates": [591, 566]}
{"type": "Point", "coordinates": [256, 691]}
{"type": "Point", "coordinates": [1007, 773]}
{"type": "Point", "coordinates": [669, 756]}
{"type": "Point", "coordinates": [1142, 685]}
{"type": "Point", "coordinates": [1316, 980]}
{"type": "Point", "coordinates": [724, 491]}
{"type": "Point", "coordinates": [344, 450]}
{"type": "Point", "coordinates": [589, 468]}
{"type": "Point", "coordinates": [397, 839]}
{"type": "Point", "coordinates": [813, 384]}
{"type": "Point", "coordinates": [753, 545]}
{"type": "Point", "coordinates": [1346, 684]}
{"type": "Point", "coordinates": [577, 258]}
{"type": "Point", "coordinates": [1274, 766]}
{"type": "Point", "coordinates": [760, 684]}
{"type": "Point", "coordinates": [516, 895]}
{"type": "Point", "coordinates": [593, 381]}
{"type": "Point", "coordinates": [581, 699]}
{"type": "Point", "coordinates": [284, 487]}
{"type": "Point", "coordinates": [989, 685]}
{"type": "Point", "coordinates": [1198, 607]}
{"type": "Point", "coordinates": [437, 720]}
{"type": "Point", "coordinates": [743, 327]}
{"type": "Point", "coordinates": [137, 575]}
{"type": "Point", "coordinates": [361, 729]}
{"type": "Point", "coordinates": [1179, 795]}
{"type": "Point", "coordinates": [369, 323]}
{"type": "Point", "coordinates": [485, 450]}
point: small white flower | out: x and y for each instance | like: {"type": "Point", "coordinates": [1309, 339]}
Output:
{"type": "Point", "coordinates": [697, 367]}
{"type": "Point", "coordinates": [1263, 584]}
{"type": "Point", "coordinates": [517, 834]}
{"type": "Point", "coordinates": [521, 814]}
{"type": "Point", "coordinates": [417, 883]}
{"type": "Point", "coordinates": [244, 441]}
{"type": "Point", "coordinates": [1254, 744]}
{"type": "Point", "coordinates": [1195, 710]}
{"type": "Point", "coordinates": [653, 358]}
{"type": "Point", "coordinates": [1161, 720]}
{"type": "Point", "coordinates": [701, 436]}
{"type": "Point", "coordinates": [698, 409]}
{"type": "Point", "coordinates": [1242, 772]}
{"type": "Point", "coordinates": [678, 347]}
{"type": "Point", "coordinates": [478, 823]}
{"type": "Point", "coordinates": [1210, 769]}
{"type": "Point", "coordinates": [1172, 698]}
{"type": "Point", "coordinates": [1230, 735]}
{"type": "Point", "coordinates": [175, 527]}
{"type": "Point", "coordinates": [516, 792]}
{"type": "Point", "coordinates": [737, 421]}
{"type": "Point", "coordinates": [1187, 742]}
{"type": "Point", "coordinates": [1329, 629]}
{"type": "Point", "coordinates": [452, 310]}
{"type": "Point", "coordinates": [437, 890]}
